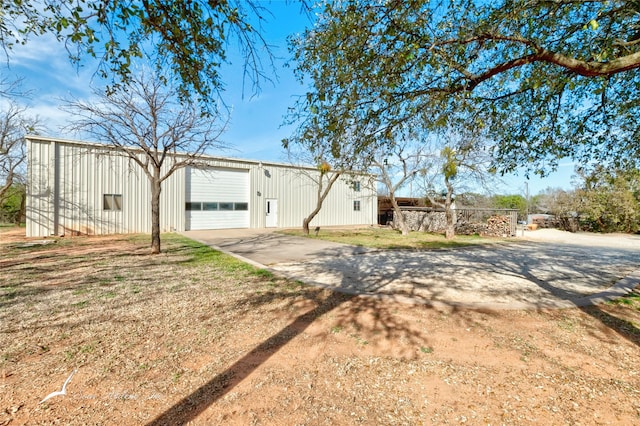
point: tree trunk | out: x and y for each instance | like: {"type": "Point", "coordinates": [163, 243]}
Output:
{"type": "Point", "coordinates": [450, 231]}
{"type": "Point", "coordinates": [322, 194]}
{"type": "Point", "coordinates": [21, 216]}
{"type": "Point", "coordinates": [398, 217]}
{"type": "Point", "coordinates": [305, 225]}
{"type": "Point", "coordinates": [155, 213]}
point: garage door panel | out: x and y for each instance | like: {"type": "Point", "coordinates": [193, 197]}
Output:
{"type": "Point", "coordinates": [224, 185]}
{"type": "Point", "coordinates": [218, 220]}
{"type": "Point", "coordinates": [211, 193]}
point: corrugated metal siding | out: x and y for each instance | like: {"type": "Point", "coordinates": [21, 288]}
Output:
{"type": "Point", "coordinates": [296, 192]}
{"type": "Point", "coordinates": [172, 200]}
{"type": "Point", "coordinates": [295, 189]}
{"type": "Point", "coordinates": [67, 181]}
{"type": "Point", "coordinates": [39, 206]}
{"type": "Point", "coordinates": [66, 192]}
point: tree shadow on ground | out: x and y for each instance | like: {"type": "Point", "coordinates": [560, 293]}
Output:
{"type": "Point", "coordinates": [534, 276]}
{"type": "Point", "coordinates": [192, 405]}
{"type": "Point", "coordinates": [622, 327]}
{"type": "Point", "coordinates": [365, 314]}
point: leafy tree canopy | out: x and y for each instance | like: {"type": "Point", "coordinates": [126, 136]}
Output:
{"type": "Point", "coordinates": [189, 37]}
{"type": "Point", "coordinates": [544, 78]}
{"type": "Point", "coordinates": [608, 200]}
{"type": "Point", "coordinates": [513, 201]}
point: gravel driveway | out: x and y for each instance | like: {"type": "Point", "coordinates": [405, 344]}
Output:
{"type": "Point", "coordinates": [543, 269]}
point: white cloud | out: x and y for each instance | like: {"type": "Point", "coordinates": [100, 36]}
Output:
{"type": "Point", "coordinates": [45, 66]}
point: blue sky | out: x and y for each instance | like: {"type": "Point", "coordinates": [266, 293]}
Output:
{"type": "Point", "coordinates": [255, 130]}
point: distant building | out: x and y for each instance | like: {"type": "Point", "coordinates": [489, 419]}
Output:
{"type": "Point", "coordinates": [539, 218]}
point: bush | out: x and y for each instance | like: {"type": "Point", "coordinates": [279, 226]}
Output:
{"type": "Point", "coordinates": [12, 207]}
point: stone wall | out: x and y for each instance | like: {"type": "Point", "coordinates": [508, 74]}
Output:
{"type": "Point", "coordinates": [424, 221]}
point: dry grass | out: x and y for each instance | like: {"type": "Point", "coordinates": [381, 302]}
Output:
{"type": "Point", "coordinates": [385, 238]}
{"type": "Point", "coordinates": [121, 316]}
{"type": "Point", "coordinates": [194, 335]}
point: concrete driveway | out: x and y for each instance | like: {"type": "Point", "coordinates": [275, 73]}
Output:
{"type": "Point", "coordinates": [546, 269]}
{"type": "Point", "coordinates": [264, 248]}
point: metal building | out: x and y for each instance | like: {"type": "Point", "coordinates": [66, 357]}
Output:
{"type": "Point", "coordinates": [86, 188]}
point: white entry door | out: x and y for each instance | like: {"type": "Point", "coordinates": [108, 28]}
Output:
{"type": "Point", "coordinates": [272, 213]}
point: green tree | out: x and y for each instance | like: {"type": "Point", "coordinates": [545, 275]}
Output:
{"type": "Point", "coordinates": [14, 125]}
{"type": "Point", "coordinates": [513, 201]}
{"type": "Point", "coordinates": [190, 37]}
{"type": "Point", "coordinates": [549, 79]}
{"type": "Point", "coordinates": [12, 205]}
{"type": "Point", "coordinates": [609, 200]}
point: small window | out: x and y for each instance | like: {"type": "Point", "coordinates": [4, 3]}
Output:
{"type": "Point", "coordinates": [194, 206]}
{"type": "Point", "coordinates": [241, 206]}
{"type": "Point", "coordinates": [112, 202]}
{"type": "Point", "coordinates": [356, 206]}
{"type": "Point", "coordinates": [209, 206]}
{"type": "Point", "coordinates": [356, 185]}
{"type": "Point", "coordinates": [225, 206]}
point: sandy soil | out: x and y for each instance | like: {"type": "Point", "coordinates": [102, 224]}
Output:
{"type": "Point", "coordinates": [619, 241]}
{"type": "Point", "coordinates": [168, 340]}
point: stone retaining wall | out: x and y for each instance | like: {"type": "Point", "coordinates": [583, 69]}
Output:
{"type": "Point", "coordinates": [423, 221]}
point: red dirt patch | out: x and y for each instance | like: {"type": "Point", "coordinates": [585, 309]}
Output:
{"type": "Point", "coordinates": [170, 340]}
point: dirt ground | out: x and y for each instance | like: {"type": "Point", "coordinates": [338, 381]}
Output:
{"type": "Point", "coordinates": [195, 337]}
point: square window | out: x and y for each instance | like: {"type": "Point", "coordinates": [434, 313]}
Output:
{"type": "Point", "coordinates": [356, 185]}
{"type": "Point", "coordinates": [241, 206]}
{"type": "Point", "coordinates": [356, 206]}
{"type": "Point", "coordinates": [112, 202]}
{"type": "Point", "coordinates": [209, 206]}
{"type": "Point", "coordinates": [193, 206]}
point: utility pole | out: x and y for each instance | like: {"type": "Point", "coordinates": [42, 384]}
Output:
{"type": "Point", "coordinates": [526, 193]}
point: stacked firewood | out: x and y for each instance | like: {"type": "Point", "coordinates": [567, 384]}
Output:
{"type": "Point", "coordinates": [470, 228]}
{"type": "Point", "coordinates": [498, 226]}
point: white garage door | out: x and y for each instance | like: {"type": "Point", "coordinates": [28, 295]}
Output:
{"type": "Point", "coordinates": [217, 199]}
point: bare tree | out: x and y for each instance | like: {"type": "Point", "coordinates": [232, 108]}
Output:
{"type": "Point", "coordinates": [465, 160]}
{"type": "Point", "coordinates": [12, 153]}
{"type": "Point", "coordinates": [334, 157]}
{"type": "Point", "coordinates": [11, 89]}
{"type": "Point", "coordinates": [155, 127]}
{"type": "Point", "coordinates": [324, 182]}
{"type": "Point", "coordinates": [398, 169]}
{"type": "Point", "coordinates": [14, 125]}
